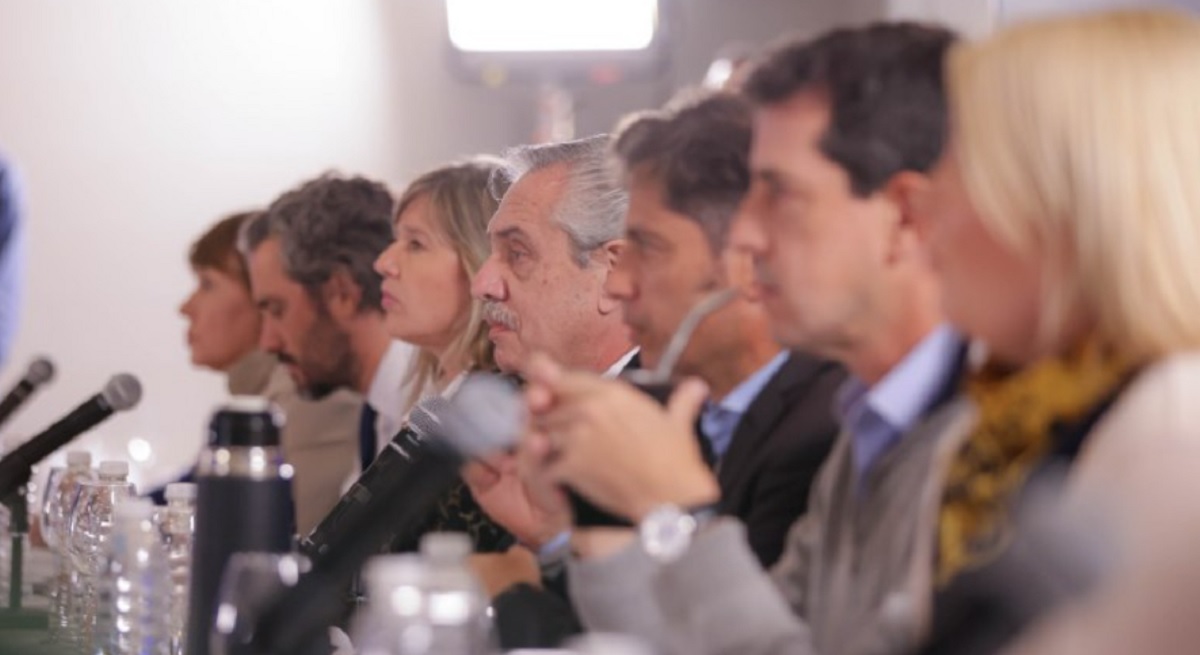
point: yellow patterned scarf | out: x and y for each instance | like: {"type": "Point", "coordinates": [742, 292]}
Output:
{"type": "Point", "coordinates": [1017, 412]}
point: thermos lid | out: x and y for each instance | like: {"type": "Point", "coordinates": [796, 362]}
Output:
{"type": "Point", "coordinates": [245, 421]}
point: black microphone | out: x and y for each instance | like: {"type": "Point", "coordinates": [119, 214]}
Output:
{"type": "Point", "coordinates": [386, 481]}
{"type": "Point", "coordinates": [122, 392]}
{"type": "Point", "coordinates": [41, 371]}
{"type": "Point", "coordinates": [394, 496]}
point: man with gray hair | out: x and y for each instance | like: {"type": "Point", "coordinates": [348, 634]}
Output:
{"type": "Point", "coordinates": [555, 239]}
{"type": "Point", "coordinates": [311, 259]}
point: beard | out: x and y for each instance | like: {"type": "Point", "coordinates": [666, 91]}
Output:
{"type": "Point", "coordinates": [326, 361]}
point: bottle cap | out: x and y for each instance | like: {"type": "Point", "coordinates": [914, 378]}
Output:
{"type": "Point", "coordinates": [134, 509]}
{"type": "Point", "coordinates": [181, 491]}
{"type": "Point", "coordinates": [114, 468]}
{"type": "Point", "coordinates": [445, 547]}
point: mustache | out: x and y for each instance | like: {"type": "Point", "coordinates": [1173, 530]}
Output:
{"type": "Point", "coordinates": [762, 273]}
{"type": "Point", "coordinates": [284, 358]}
{"type": "Point", "coordinates": [494, 312]}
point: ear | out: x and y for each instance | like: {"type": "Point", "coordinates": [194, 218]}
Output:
{"type": "Point", "coordinates": [610, 254]}
{"type": "Point", "coordinates": [342, 296]}
{"type": "Point", "coordinates": [907, 192]}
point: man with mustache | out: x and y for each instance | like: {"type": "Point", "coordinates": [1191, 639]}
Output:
{"type": "Point", "coordinates": [555, 240]}
{"type": "Point", "coordinates": [311, 258]}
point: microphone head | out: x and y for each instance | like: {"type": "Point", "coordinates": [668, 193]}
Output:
{"type": "Point", "coordinates": [486, 416]}
{"type": "Point", "coordinates": [41, 371]}
{"type": "Point", "coordinates": [122, 392]}
{"type": "Point", "coordinates": [426, 417]}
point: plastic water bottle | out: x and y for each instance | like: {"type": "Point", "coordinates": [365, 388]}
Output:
{"type": "Point", "coordinates": [134, 586]}
{"type": "Point", "coordinates": [60, 500]}
{"type": "Point", "coordinates": [178, 527]}
{"type": "Point", "coordinates": [91, 526]}
{"type": "Point", "coordinates": [425, 605]}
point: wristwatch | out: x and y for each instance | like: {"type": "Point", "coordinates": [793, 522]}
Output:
{"type": "Point", "coordinates": [667, 531]}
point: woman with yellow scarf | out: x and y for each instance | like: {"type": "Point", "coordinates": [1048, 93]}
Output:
{"type": "Point", "coordinates": [1064, 221]}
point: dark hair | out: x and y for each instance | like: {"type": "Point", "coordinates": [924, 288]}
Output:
{"type": "Point", "coordinates": [884, 85]}
{"type": "Point", "coordinates": [328, 224]}
{"type": "Point", "coordinates": [217, 248]}
{"type": "Point", "coordinates": [698, 149]}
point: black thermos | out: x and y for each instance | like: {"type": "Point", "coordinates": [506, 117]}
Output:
{"type": "Point", "coordinates": [243, 503]}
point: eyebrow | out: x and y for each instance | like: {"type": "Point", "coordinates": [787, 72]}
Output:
{"type": "Point", "coordinates": [511, 232]}
{"type": "Point", "coordinates": [409, 229]}
{"type": "Point", "coordinates": [265, 302]}
{"type": "Point", "coordinates": [642, 236]}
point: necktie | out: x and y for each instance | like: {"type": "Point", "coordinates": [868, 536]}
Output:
{"type": "Point", "coordinates": [366, 435]}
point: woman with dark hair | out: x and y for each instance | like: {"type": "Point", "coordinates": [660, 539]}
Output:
{"type": "Point", "coordinates": [222, 335]}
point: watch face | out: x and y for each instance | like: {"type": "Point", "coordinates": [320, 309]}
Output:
{"type": "Point", "coordinates": [666, 533]}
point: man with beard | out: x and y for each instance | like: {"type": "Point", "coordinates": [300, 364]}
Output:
{"type": "Point", "coordinates": [311, 256]}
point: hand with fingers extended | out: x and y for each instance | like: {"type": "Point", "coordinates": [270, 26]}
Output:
{"type": "Point", "coordinates": [613, 444]}
{"type": "Point", "coordinates": [532, 511]}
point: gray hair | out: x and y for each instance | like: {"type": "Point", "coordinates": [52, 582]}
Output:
{"type": "Point", "coordinates": [592, 208]}
{"type": "Point", "coordinates": [325, 225]}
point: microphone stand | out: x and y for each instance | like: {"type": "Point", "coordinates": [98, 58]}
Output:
{"type": "Point", "coordinates": [14, 616]}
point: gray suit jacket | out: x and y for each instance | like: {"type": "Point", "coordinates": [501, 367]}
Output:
{"type": "Point", "coordinates": [320, 437]}
{"type": "Point", "coordinates": [855, 577]}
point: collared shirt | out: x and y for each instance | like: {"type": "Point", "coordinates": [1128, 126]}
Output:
{"type": "Point", "coordinates": [619, 367]}
{"type": "Point", "coordinates": [719, 420]}
{"type": "Point", "coordinates": [878, 416]}
{"type": "Point", "coordinates": [389, 392]}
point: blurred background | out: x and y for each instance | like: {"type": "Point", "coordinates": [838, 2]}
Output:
{"type": "Point", "coordinates": [135, 124]}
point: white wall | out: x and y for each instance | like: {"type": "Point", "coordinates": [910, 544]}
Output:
{"type": "Point", "coordinates": [136, 123]}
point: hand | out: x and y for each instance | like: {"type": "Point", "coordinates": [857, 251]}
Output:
{"type": "Point", "coordinates": [499, 571]}
{"type": "Point", "coordinates": [535, 514]}
{"type": "Point", "coordinates": [614, 444]}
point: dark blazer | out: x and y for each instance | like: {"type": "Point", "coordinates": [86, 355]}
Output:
{"type": "Point", "coordinates": [777, 449]}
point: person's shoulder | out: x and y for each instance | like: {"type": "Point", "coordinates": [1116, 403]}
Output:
{"type": "Point", "coordinates": [1163, 394]}
{"type": "Point", "coordinates": [1156, 416]}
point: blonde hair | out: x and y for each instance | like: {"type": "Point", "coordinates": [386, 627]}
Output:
{"type": "Point", "coordinates": [461, 204]}
{"type": "Point", "coordinates": [1081, 135]}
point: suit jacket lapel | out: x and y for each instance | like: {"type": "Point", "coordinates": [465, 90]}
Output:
{"type": "Point", "coordinates": [765, 412]}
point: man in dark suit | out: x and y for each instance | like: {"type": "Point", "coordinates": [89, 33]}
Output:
{"type": "Point", "coordinates": [768, 422]}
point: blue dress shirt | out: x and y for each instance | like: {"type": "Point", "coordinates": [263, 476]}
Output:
{"type": "Point", "coordinates": [719, 420]}
{"type": "Point", "coordinates": [877, 416]}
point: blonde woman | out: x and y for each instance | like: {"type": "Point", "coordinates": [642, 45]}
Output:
{"type": "Point", "coordinates": [441, 241]}
{"type": "Point", "coordinates": [1064, 223]}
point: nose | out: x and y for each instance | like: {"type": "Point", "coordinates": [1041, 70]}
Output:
{"type": "Point", "coordinates": [746, 234]}
{"type": "Point", "coordinates": [269, 339]}
{"type": "Point", "coordinates": [385, 264]}
{"type": "Point", "coordinates": [620, 283]}
{"type": "Point", "coordinates": [488, 283]}
{"type": "Point", "coordinates": [188, 305]}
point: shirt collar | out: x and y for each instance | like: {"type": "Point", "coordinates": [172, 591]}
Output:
{"type": "Point", "coordinates": [616, 369]}
{"type": "Point", "coordinates": [388, 393]}
{"type": "Point", "coordinates": [738, 400]}
{"type": "Point", "coordinates": [903, 395]}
